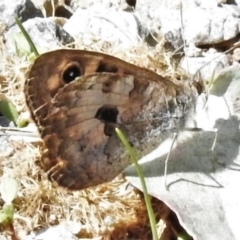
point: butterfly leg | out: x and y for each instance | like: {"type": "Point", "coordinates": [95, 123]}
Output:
{"type": "Point", "coordinates": [194, 129]}
{"type": "Point", "coordinates": [212, 149]}
{"type": "Point", "coordinates": [167, 159]}
{"type": "Point", "coordinates": [214, 130]}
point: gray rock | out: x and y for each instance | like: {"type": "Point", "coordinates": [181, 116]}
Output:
{"type": "Point", "coordinates": [23, 9]}
{"type": "Point", "coordinates": [6, 148]}
{"type": "Point", "coordinates": [45, 33]}
{"type": "Point", "coordinates": [237, 2]}
{"type": "Point", "coordinates": [4, 122]}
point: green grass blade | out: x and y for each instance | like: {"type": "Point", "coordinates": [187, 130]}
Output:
{"type": "Point", "coordinates": [6, 214]}
{"type": "Point", "coordinates": [134, 159]}
{"type": "Point", "coordinates": [30, 42]}
{"type": "Point", "coordinates": [8, 109]}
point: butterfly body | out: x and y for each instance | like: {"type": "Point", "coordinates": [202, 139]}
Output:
{"type": "Point", "coordinates": [77, 99]}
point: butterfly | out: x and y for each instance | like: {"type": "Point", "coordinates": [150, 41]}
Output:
{"type": "Point", "coordinates": [78, 98]}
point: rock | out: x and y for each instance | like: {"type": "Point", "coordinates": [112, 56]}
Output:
{"type": "Point", "coordinates": [206, 66]}
{"type": "Point", "coordinates": [199, 22]}
{"type": "Point", "coordinates": [212, 25]}
{"type": "Point", "coordinates": [45, 33]}
{"type": "Point", "coordinates": [4, 122]}
{"type": "Point", "coordinates": [53, 8]}
{"type": "Point", "coordinates": [23, 9]}
{"type": "Point", "coordinates": [236, 54]}
{"type": "Point", "coordinates": [100, 24]}
{"type": "Point", "coordinates": [204, 22]}
{"type": "Point", "coordinates": [6, 148]}
{"type": "Point", "coordinates": [57, 233]}
{"type": "Point", "coordinates": [201, 25]}
{"type": "Point", "coordinates": [237, 2]}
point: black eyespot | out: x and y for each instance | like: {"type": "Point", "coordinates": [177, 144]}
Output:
{"type": "Point", "coordinates": [71, 73]}
{"type": "Point", "coordinates": [107, 114]}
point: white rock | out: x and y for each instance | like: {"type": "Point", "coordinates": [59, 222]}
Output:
{"type": "Point", "coordinates": [199, 22]}
{"type": "Point", "coordinates": [205, 66]}
{"type": "Point", "coordinates": [95, 24]}
{"type": "Point", "coordinates": [56, 233]}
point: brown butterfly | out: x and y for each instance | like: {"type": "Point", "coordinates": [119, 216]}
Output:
{"type": "Point", "coordinates": [77, 99]}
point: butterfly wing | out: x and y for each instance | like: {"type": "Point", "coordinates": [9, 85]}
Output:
{"type": "Point", "coordinates": [77, 110]}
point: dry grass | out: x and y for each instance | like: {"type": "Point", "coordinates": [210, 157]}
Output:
{"type": "Point", "coordinates": [110, 211]}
